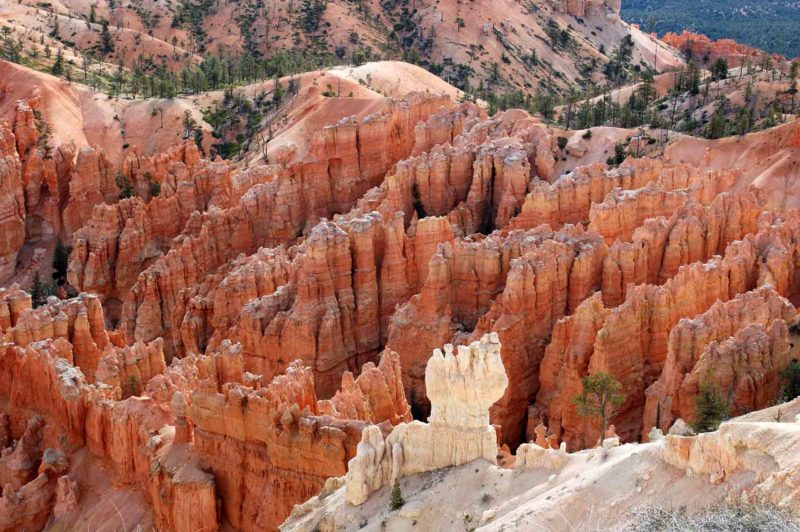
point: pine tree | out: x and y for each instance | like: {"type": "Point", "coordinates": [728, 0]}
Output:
{"type": "Point", "coordinates": [107, 45]}
{"type": "Point", "coordinates": [791, 378]}
{"type": "Point", "coordinates": [719, 70]}
{"type": "Point", "coordinates": [277, 93]}
{"type": "Point", "coordinates": [601, 396]}
{"type": "Point", "coordinates": [58, 66]}
{"type": "Point", "coordinates": [716, 128]}
{"type": "Point", "coordinates": [60, 261]}
{"type": "Point", "coordinates": [711, 409]}
{"type": "Point", "coordinates": [38, 291]}
{"type": "Point", "coordinates": [55, 28]}
{"type": "Point", "coordinates": [125, 186]}
{"type": "Point", "coordinates": [10, 49]}
{"type": "Point", "coordinates": [397, 497]}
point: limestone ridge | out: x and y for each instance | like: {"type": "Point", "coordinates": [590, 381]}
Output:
{"type": "Point", "coordinates": [461, 388]}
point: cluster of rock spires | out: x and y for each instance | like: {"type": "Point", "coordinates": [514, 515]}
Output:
{"type": "Point", "coordinates": [579, 8]}
{"type": "Point", "coordinates": [211, 355]}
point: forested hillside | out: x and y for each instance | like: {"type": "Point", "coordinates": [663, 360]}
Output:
{"type": "Point", "coordinates": [765, 24]}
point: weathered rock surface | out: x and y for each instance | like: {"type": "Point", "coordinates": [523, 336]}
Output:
{"type": "Point", "coordinates": [738, 346]}
{"type": "Point", "coordinates": [159, 443]}
{"type": "Point", "coordinates": [278, 442]}
{"type": "Point", "coordinates": [461, 388]}
{"type": "Point", "coordinates": [275, 318]}
{"type": "Point", "coordinates": [769, 451]}
{"type": "Point", "coordinates": [595, 337]}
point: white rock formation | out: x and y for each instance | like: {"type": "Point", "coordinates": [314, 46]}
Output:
{"type": "Point", "coordinates": [769, 450]}
{"type": "Point", "coordinates": [532, 456]}
{"type": "Point", "coordinates": [461, 389]}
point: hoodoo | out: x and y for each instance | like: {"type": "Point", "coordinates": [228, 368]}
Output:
{"type": "Point", "coordinates": [333, 266]}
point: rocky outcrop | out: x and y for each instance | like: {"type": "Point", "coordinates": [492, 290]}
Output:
{"type": "Point", "coordinates": [698, 45]}
{"type": "Point", "coordinates": [279, 443]}
{"type": "Point", "coordinates": [592, 339]}
{"type": "Point", "coordinates": [80, 321]}
{"type": "Point", "coordinates": [19, 463]}
{"type": "Point", "coordinates": [170, 449]}
{"type": "Point", "coordinates": [461, 389]}
{"type": "Point", "coordinates": [121, 238]}
{"type": "Point", "coordinates": [13, 303]}
{"type": "Point", "coordinates": [29, 506]}
{"type": "Point", "coordinates": [622, 212]}
{"type": "Point", "coordinates": [580, 8]}
{"type": "Point", "coordinates": [341, 165]}
{"type": "Point", "coordinates": [693, 233]}
{"type": "Point", "coordinates": [12, 204]}
{"type": "Point", "coordinates": [739, 347]}
{"type": "Point", "coordinates": [127, 369]}
{"type": "Point", "coordinates": [569, 199]}
{"type": "Point", "coordinates": [767, 451]}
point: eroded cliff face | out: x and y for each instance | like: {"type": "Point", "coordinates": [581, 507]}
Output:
{"type": "Point", "coordinates": [244, 335]}
{"type": "Point", "coordinates": [579, 8]}
{"type": "Point", "coordinates": [342, 164]}
{"type": "Point", "coordinates": [736, 346]}
{"type": "Point", "coordinates": [640, 327]}
{"type": "Point", "coordinates": [186, 434]}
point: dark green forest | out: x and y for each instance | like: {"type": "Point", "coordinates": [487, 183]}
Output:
{"type": "Point", "coordinates": [770, 25]}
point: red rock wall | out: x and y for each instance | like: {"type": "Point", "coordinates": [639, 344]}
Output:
{"type": "Point", "coordinates": [721, 347]}
{"type": "Point", "coordinates": [593, 339]}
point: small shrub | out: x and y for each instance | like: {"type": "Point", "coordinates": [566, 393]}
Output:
{"type": "Point", "coordinates": [562, 143]}
{"type": "Point", "coordinates": [397, 497]}
{"type": "Point", "coordinates": [732, 517]}
{"type": "Point", "coordinates": [125, 185]}
{"type": "Point", "coordinates": [60, 261]}
{"type": "Point", "coordinates": [588, 134]}
{"type": "Point", "coordinates": [791, 379]}
{"type": "Point", "coordinates": [711, 409]}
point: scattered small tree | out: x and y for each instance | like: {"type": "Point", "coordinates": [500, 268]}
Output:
{"type": "Point", "coordinates": [397, 496]}
{"type": "Point", "coordinates": [601, 396]}
{"type": "Point", "coordinates": [719, 70]}
{"type": "Point", "coordinates": [619, 155]}
{"type": "Point", "coordinates": [38, 291]}
{"type": "Point", "coordinates": [711, 409]}
{"type": "Point", "coordinates": [106, 43]}
{"type": "Point", "coordinates": [125, 186]}
{"type": "Point", "coordinates": [791, 378]}
{"type": "Point", "coordinates": [58, 65]}
{"type": "Point", "coordinates": [60, 261]}
{"type": "Point", "coordinates": [277, 93]}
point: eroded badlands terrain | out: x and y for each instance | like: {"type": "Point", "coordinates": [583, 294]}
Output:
{"type": "Point", "coordinates": [229, 341]}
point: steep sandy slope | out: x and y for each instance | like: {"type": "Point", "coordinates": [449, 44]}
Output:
{"type": "Point", "coordinates": [750, 458]}
{"type": "Point", "coordinates": [501, 44]}
{"type": "Point", "coordinates": [74, 113]}
{"type": "Point", "coordinates": [768, 159]}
